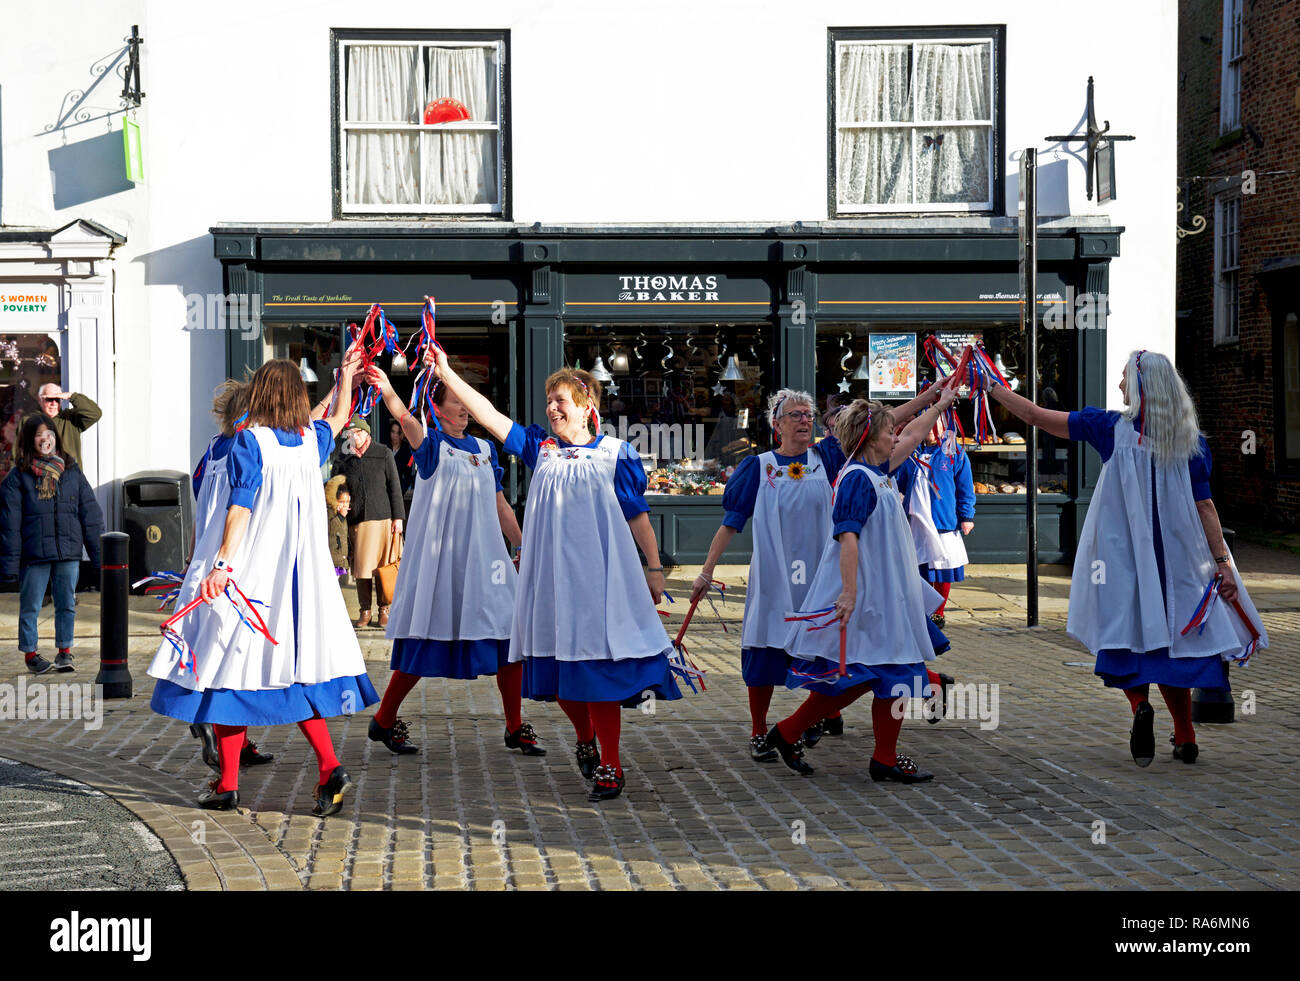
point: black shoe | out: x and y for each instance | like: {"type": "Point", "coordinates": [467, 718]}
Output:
{"type": "Point", "coordinates": [812, 735]}
{"type": "Point", "coordinates": [938, 619]}
{"type": "Point", "coordinates": [759, 751]}
{"type": "Point", "coordinates": [38, 665]}
{"type": "Point", "coordinates": [904, 770]}
{"type": "Point", "coordinates": [791, 753]}
{"type": "Point", "coordinates": [251, 756]}
{"type": "Point", "coordinates": [588, 758]}
{"type": "Point", "coordinates": [945, 682]}
{"type": "Point", "coordinates": [1187, 752]}
{"type": "Point", "coordinates": [63, 661]}
{"type": "Point", "coordinates": [833, 727]}
{"type": "Point", "coordinates": [207, 737]}
{"type": "Point", "coordinates": [608, 785]}
{"type": "Point", "coordinates": [1142, 737]}
{"type": "Point", "coordinates": [329, 795]}
{"type": "Point", "coordinates": [218, 800]}
{"type": "Point", "coordinates": [524, 739]}
{"type": "Point", "coordinates": [394, 738]}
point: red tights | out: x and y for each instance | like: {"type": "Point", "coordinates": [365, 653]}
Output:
{"type": "Point", "coordinates": [884, 725]}
{"type": "Point", "coordinates": [230, 741]}
{"type": "Point", "coordinates": [1179, 703]}
{"type": "Point", "coordinates": [943, 589]}
{"type": "Point", "coordinates": [597, 720]}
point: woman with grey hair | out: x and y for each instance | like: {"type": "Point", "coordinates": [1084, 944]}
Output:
{"type": "Point", "coordinates": [1150, 544]}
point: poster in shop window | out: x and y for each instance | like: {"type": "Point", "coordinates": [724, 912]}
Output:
{"type": "Point", "coordinates": [893, 366]}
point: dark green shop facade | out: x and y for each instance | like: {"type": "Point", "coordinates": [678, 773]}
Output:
{"type": "Point", "coordinates": [695, 328]}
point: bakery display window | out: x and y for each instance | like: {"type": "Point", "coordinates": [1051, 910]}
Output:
{"type": "Point", "coordinates": [845, 365]}
{"type": "Point", "coordinates": [691, 399]}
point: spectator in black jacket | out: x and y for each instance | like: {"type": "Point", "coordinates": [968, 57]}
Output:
{"type": "Point", "coordinates": [47, 515]}
{"type": "Point", "coordinates": [377, 510]}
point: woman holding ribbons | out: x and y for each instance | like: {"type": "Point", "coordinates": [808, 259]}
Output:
{"type": "Point", "coordinates": [455, 597]}
{"type": "Point", "coordinates": [1152, 560]}
{"type": "Point", "coordinates": [867, 583]}
{"type": "Point", "coordinates": [585, 626]}
{"type": "Point", "coordinates": [271, 644]}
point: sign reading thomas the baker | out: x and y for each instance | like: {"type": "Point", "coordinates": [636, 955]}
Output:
{"type": "Point", "coordinates": [668, 289]}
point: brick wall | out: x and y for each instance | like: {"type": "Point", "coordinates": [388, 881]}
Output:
{"type": "Point", "coordinates": [1233, 384]}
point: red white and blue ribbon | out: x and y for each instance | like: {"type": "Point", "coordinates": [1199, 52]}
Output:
{"type": "Point", "coordinates": [1252, 645]}
{"type": "Point", "coordinates": [1203, 608]}
{"type": "Point", "coordinates": [680, 659]}
{"type": "Point", "coordinates": [1142, 404]}
{"type": "Point", "coordinates": [843, 668]}
{"type": "Point", "coordinates": [376, 336]}
{"type": "Point", "coordinates": [166, 582]}
{"type": "Point", "coordinates": [252, 620]}
{"type": "Point", "coordinates": [426, 383]}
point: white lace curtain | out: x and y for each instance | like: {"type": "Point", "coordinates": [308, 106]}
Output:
{"type": "Point", "coordinates": [875, 164]}
{"type": "Point", "coordinates": [383, 85]}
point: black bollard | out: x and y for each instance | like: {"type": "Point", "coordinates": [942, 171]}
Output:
{"type": "Point", "coordinates": [1213, 707]}
{"type": "Point", "coordinates": [114, 581]}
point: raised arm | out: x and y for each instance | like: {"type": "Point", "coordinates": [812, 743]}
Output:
{"type": "Point", "coordinates": [918, 404]}
{"type": "Point", "coordinates": [411, 428]}
{"type": "Point", "coordinates": [914, 432]}
{"type": "Point", "coordinates": [348, 380]}
{"type": "Point", "coordinates": [1048, 420]}
{"type": "Point", "coordinates": [483, 411]}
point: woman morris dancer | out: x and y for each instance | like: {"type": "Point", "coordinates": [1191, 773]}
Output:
{"type": "Point", "coordinates": [585, 623]}
{"type": "Point", "coordinates": [1150, 545]}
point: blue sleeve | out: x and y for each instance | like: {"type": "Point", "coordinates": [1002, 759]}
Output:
{"type": "Point", "coordinates": [324, 440]}
{"type": "Point", "coordinates": [1097, 428]}
{"type": "Point", "coordinates": [961, 477]}
{"type": "Point", "coordinates": [629, 483]}
{"type": "Point", "coordinates": [245, 468]}
{"type": "Point", "coordinates": [1199, 466]}
{"type": "Point", "coordinates": [741, 495]}
{"type": "Point", "coordinates": [427, 454]}
{"type": "Point", "coordinates": [524, 443]}
{"type": "Point", "coordinates": [855, 499]}
{"type": "Point", "coordinates": [832, 455]}
{"type": "Point", "coordinates": [197, 477]}
{"type": "Point", "coordinates": [499, 471]}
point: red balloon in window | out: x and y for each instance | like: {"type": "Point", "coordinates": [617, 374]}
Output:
{"type": "Point", "coordinates": [445, 111]}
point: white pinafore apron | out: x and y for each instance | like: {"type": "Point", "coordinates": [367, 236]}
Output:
{"type": "Point", "coordinates": [888, 622]}
{"type": "Point", "coordinates": [214, 494]}
{"type": "Point", "coordinates": [286, 532]}
{"type": "Point", "coordinates": [937, 549]}
{"type": "Point", "coordinates": [1115, 597]}
{"type": "Point", "coordinates": [456, 580]}
{"type": "Point", "coordinates": [582, 590]}
{"type": "Point", "coordinates": [792, 523]}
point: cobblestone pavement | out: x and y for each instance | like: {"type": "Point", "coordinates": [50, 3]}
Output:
{"type": "Point", "coordinates": [1048, 798]}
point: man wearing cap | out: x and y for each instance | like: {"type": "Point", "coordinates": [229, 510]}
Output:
{"type": "Point", "coordinates": [67, 423]}
{"type": "Point", "coordinates": [377, 511]}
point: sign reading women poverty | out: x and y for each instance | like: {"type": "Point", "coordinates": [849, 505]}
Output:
{"type": "Point", "coordinates": [893, 366]}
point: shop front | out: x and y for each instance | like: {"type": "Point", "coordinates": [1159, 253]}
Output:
{"type": "Point", "coordinates": [691, 330]}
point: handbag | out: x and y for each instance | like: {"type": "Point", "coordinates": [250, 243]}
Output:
{"type": "Point", "coordinates": [386, 574]}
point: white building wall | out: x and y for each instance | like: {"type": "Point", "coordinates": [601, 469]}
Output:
{"type": "Point", "coordinates": [677, 111]}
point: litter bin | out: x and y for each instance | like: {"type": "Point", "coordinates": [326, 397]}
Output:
{"type": "Point", "coordinates": [158, 515]}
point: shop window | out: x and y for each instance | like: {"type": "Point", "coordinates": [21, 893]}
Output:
{"type": "Point", "coordinates": [1227, 268]}
{"type": "Point", "coordinates": [690, 399]}
{"type": "Point", "coordinates": [1290, 376]}
{"type": "Point", "coordinates": [421, 122]}
{"type": "Point", "coordinates": [27, 361]}
{"type": "Point", "coordinates": [865, 360]}
{"type": "Point", "coordinates": [917, 120]}
{"type": "Point", "coordinates": [1230, 82]}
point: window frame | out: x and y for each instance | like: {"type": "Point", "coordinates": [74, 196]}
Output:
{"type": "Point", "coordinates": [340, 38]}
{"type": "Point", "coordinates": [1230, 72]}
{"type": "Point", "coordinates": [995, 34]}
{"type": "Point", "coordinates": [1227, 275]}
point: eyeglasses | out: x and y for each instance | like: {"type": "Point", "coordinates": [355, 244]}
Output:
{"type": "Point", "coordinates": [44, 399]}
{"type": "Point", "coordinates": [802, 416]}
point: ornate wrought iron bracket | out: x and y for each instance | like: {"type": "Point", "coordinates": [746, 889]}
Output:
{"type": "Point", "coordinates": [1184, 200]}
{"type": "Point", "coordinates": [1094, 138]}
{"type": "Point", "coordinates": [131, 94]}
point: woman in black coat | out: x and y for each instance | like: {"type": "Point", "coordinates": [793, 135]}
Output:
{"type": "Point", "coordinates": [47, 515]}
{"type": "Point", "coordinates": [377, 510]}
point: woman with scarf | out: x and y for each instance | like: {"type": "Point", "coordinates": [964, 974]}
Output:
{"type": "Point", "coordinates": [1150, 545]}
{"type": "Point", "coordinates": [49, 516]}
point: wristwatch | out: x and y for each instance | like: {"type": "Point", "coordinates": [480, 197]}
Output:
{"type": "Point", "coordinates": [1221, 559]}
{"type": "Point", "coordinates": [223, 566]}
